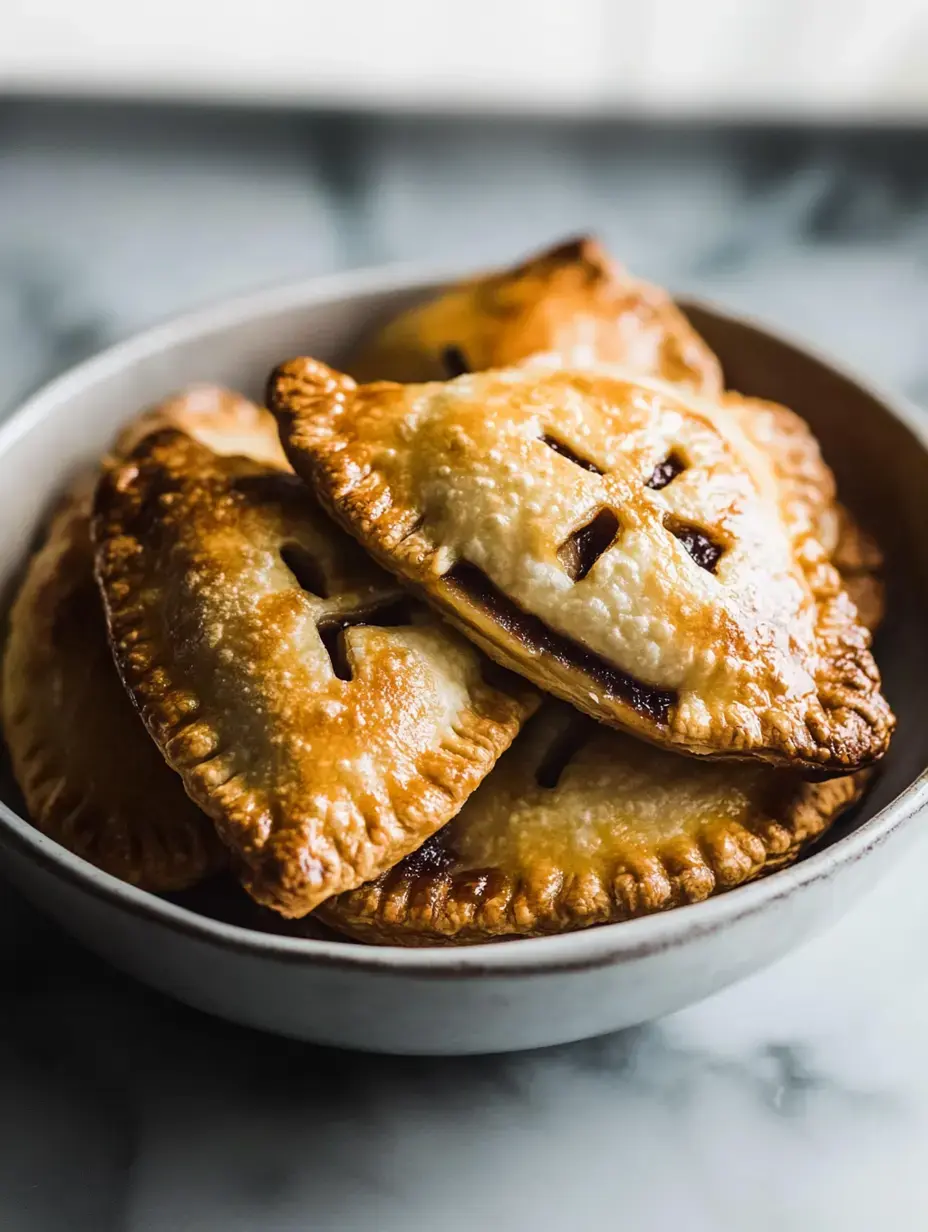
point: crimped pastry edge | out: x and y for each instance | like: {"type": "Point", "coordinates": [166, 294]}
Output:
{"type": "Point", "coordinates": [473, 907]}
{"type": "Point", "coordinates": [307, 397]}
{"type": "Point", "coordinates": [177, 719]}
{"type": "Point", "coordinates": [63, 810]}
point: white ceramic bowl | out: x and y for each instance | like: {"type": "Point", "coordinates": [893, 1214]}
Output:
{"type": "Point", "coordinates": [509, 995]}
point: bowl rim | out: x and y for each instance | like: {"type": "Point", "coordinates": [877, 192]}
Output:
{"type": "Point", "coordinates": [603, 945]}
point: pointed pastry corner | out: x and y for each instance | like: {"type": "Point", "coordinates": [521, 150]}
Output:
{"type": "Point", "coordinates": [585, 250]}
{"type": "Point", "coordinates": [220, 418]}
{"type": "Point", "coordinates": [570, 304]}
{"type": "Point", "coordinates": [302, 383]}
{"type": "Point", "coordinates": [326, 724]}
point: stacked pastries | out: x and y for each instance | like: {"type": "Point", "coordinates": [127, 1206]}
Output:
{"type": "Point", "coordinates": [559, 533]}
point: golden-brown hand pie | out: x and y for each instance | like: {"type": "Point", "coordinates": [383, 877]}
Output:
{"type": "Point", "coordinates": [326, 724]}
{"type": "Point", "coordinates": [579, 825]}
{"type": "Point", "coordinates": [623, 545]}
{"type": "Point", "coordinates": [571, 305]}
{"type": "Point", "coordinates": [859, 559]}
{"type": "Point", "coordinates": [809, 500]}
{"type": "Point", "coordinates": [220, 418]}
{"type": "Point", "coordinates": [91, 778]}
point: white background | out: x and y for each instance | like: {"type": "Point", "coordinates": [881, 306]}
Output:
{"type": "Point", "coordinates": [842, 59]}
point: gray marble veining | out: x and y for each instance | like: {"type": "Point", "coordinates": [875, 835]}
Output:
{"type": "Point", "coordinates": [797, 1100]}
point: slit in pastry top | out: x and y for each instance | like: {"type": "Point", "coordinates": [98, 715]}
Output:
{"type": "Point", "coordinates": [324, 722]}
{"type": "Point", "coordinates": [710, 589]}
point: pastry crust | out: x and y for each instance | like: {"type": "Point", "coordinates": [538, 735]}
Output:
{"type": "Point", "coordinates": [577, 826]}
{"type": "Point", "coordinates": [809, 501]}
{"type": "Point", "coordinates": [614, 828]}
{"type": "Point", "coordinates": [859, 559]}
{"type": "Point", "coordinates": [569, 306]}
{"type": "Point", "coordinates": [91, 778]}
{"type": "Point", "coordinates": [321, 759]}
{"type": "Point", "coordinates": [90, 775]}
{"type": "Point", "coordinates": [626, 547]}
{"type": "Point", "coordinates": [219, 418]}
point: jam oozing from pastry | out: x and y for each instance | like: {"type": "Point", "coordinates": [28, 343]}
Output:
{"type": "Point", "coordinates": [562, 750]}
{"type": "Point", "coordinates": [582, 550]}
{"type": "Point", "coordinates": [434, 856]}
{"type": "Point", "coordinates": [566, 452]}
{"type": "Point", "coordinates": [665, 472]}
{"type": "Point", "coordinates": [305, 568]}
{"type": "Point", "coordinates": [454, 362]}
{"type": "Point", "coordinates": [474, 586]}
{"type": "Point", "coordinates": [437, 862]}
{"type": "Point", "coordinates": [702, 549]}
{"type": "Point", "coordinates": [389, 616]}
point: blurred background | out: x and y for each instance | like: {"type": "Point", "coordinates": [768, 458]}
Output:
{"type": "Point", "coordinates": [771, 154]}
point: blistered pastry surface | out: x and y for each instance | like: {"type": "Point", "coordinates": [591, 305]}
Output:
{"type": "Point", "coordinates": [578, 825]}
{"type": "Point", "coordinates": [315, 782]}
{"type": "Point", "coordinates": [91, 777]}
{"type": "Point", "coordinates": [758, 647]}
{"type": "Point", "coordinates": [570, 306]}
{"type": "Point", "coordinates": [219, 418]}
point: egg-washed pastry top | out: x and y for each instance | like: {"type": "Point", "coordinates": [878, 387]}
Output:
{"type": "Point", "coordinates": [325, 724]}
{"type": "Point", "coordinates": [90, 775]}
{"type": "Point", "coordinates": [570, 306]}
{"type": "Point", "coordinates": [627, 548]}
{"type": "Point", "coordinates": [580, 825]}
{"type": "Point", "coordinates": [577, 825]}
{"type": "Point", "coordinates": [222, 419]}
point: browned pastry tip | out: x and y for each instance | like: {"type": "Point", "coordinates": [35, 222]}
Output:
{"type": "Point", "coordinates": [569, 306]}
{"type": "Point", "coordinates": [219, 418]}
{"type": "Point", "coordinates": [809, 501]}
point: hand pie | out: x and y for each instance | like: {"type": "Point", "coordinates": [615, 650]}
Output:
{"type": "Point", "coordinates": [91, 777]}
{"type": "Point", "coordinates": [858, 558]}
{"type": "Point", "coordinates": [623, 546]}
{"type": "Point", "coordinates": [571, 305]}
{"type": "Point", "coordinates": [325, 724]}
{"type": "Point", "coordinates": [578, 825]}
{"type": "Point", "coordinates": [809, 500]}
{"type": "Point", "coordinates": [220, 418]}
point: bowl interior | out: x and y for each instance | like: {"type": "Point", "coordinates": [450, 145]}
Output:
{"type": "Point", "coordinates": [881, 464]}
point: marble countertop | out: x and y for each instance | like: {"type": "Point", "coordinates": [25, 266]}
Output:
{"type": "Point", "coordinates": [796, 1100]}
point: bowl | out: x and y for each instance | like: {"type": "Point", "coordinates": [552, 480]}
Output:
{"type": "Point", "coordinates": [515, 994]}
